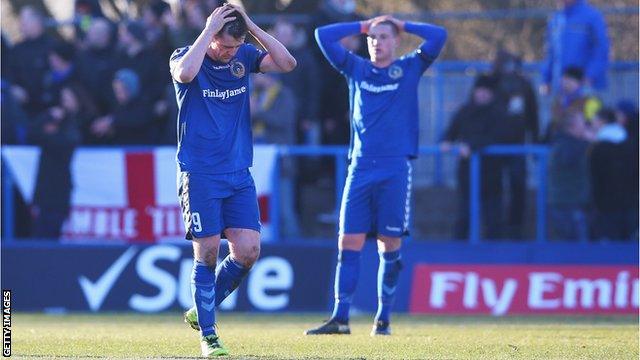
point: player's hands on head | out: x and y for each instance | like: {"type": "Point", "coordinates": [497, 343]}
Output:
{"type": "Point", "coordinates": [367, 24]}
{"type": "Point", "coordinates": [250, 23]}
{"type": "Point", "coordinates": [219, 17]}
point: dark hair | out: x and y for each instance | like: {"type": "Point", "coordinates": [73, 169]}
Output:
{"type": "Point", "coordinates": [64, 50]}
{"type": "Point", "coordinates": [394, 27]}
{"type": "Point", "coordinates": [607, 114]}
{"type": "Point", "coordinates": [236, 27]}
{"type": "Point", "coordinates": [574, 73]}
{"type": "Point", "coordinates": [486, 81]}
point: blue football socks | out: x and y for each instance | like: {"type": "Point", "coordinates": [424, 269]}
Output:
{"type": "Point", "coordinates": [229, 274]}
{"type": "Point", "coordinates": [203, 281]}
{"type": "Point", "coordinates": [388, 273]}
{"type": "Point", "coordinates": [347, 272]}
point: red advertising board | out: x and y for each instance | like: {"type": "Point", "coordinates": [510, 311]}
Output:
{"type": "Point", "coordinates": [524, 289]}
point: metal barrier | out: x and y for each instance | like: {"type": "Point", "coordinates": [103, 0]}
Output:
{"type": "Point", "coordinates": [475, 164]}
{"type": "Point", "coordinates": [446, 85]}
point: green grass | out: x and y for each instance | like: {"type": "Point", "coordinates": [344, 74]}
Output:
{"type": "Point", "coordinates": [117, 336]}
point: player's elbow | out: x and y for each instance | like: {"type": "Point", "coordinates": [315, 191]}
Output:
{"type": "Point", "coordinates": [183, 75]}
{"type": "Point", "coordinates": [442, 35]}
{"type": "Point", "coordinates": [290, 64]}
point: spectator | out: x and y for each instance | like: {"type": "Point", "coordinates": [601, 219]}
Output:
{"type": "Point", "coordinates": [612, 176]}
{"type": "Point", "coordinates": [157, 31]}
{"type": "Point", "coordinates": [627, 116]}
{"type": "Point", "coordinates": [334, 94]}
{"type": "Point", "coordinates": [62, 72]}
{"type": "Point", "coordinates": [184, 23]}
{"type": "Point", "coordinates": [129, 122]}
{"type": "Point", "coordinates": [12, 116]}
{"type": "Point", "coordinates": [577, 37]}
{"type": "Point", "coordinates": [30, 61]}
{"type": "Point", "coordinates": [145, 61]}
{"type": "Point", "coordinates": [57, 133]}
{"type": "Point", "coordinates": [474, 126]}
{"type": "Point", "coordinates": [96, 64]}
{"type": "Point", "coordinates": [303, 81]}
{"type": "Point", "coordinates": [136, 55]}
{"type": "Point", "coordinates": [273, 112]}
{"type": "Point", "coordinates": [568, 195]}
{"type": "Point", "coordinates": [85, 13]}
{"type": "Point", "coordinates": [14, 119]}
{"type": "Point", "coordinates": [516, 96]}
{"type": "Point", "coordinates": [572, 97]}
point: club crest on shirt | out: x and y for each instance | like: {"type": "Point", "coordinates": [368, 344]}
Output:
{"type": "Point", "coordinates": [237, 69]}
{"type": "Point", "coordinates": [395, 72]}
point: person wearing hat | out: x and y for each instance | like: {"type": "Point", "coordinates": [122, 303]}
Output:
{"type": "Point", "coordinates": [573, 96]}
{"type": "Point", "coordinates": [128, 123]}
{"type": "Point", "coordinates": [475, 125]}
{"type": "Point", "coordinates": [136, 54]}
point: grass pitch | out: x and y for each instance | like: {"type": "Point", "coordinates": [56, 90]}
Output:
{"type": "Point", "coordinates": [133, 336]}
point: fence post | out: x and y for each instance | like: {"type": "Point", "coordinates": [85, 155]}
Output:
{"type": "Point", "coordinates": [7, 202]}
{"type": "Point", "coordinates": [474, 198]}
{"type": "Point", "coordinates": [439, 110]}
{"type": "Point", "coordinates": [274, 204]}
{"type": "Point", "coordinates": [541, 218]}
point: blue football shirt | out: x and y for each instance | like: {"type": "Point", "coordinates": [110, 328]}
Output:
{"type": "Point", "coordinates": [214, 124]}
{"type": "Point", "coordinates": [384, 105]}
{"type": "Point", "coordinates": [383, 101]}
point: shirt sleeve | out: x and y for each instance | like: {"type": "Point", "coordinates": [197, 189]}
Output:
{"type": "Point", "coordinates": [254, 57]}
{"type": "Point", "coordinates": [328, 38]}
{"type": "Point", "coordinates": [434, 36]}
{"type": "Point", "coordinates": [177, 55]}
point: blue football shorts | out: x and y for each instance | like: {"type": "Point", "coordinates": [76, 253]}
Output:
{"type": "Point", "coordinates": [214, 202]}
{"type": "Point", "coordinates": [377, 197]}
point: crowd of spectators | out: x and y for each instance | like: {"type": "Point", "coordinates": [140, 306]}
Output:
{"type": "Point", "coordinates": [110, 85]}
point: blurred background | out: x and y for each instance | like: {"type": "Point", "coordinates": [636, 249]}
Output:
{"type": "Point", "coordinates": [529, 151]}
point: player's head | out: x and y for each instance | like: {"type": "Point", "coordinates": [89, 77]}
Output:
{"type": "Point", "coordinates": [382, 41]}
{"type": "Point", "coordinates": [226, 42]}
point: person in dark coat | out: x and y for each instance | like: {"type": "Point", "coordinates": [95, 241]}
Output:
{"type": "Point", "coordinates": [613, 179]}
{"type": "Point", "coordinates": [96, 63]}
{"type": "Point", "coordinates": [57, 132]}
{"type": "Point", "coordinates": [518, 99]}
{"type": "Point", "coordinates": [568, 195]}
{"type": "Point", "coordinates": [63, 71]}
{"type": "Point", "coordinates": [30, 61]}
{"type": "Point", "coordinates": [130, 121]}
{"type": "Point", "coordinates": [473, 127]}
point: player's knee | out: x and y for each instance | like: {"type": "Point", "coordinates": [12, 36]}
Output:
{"type": "Point", "coordinates": [208, 258]}
{"type": "Point", "coordinates": [387, 244]}
{"type": "Point", "coordinates": [205, 250]}
{"type": "Point", "coordinates": [351, 241]}
{"type": "Point", "coordinates": [248, 254]}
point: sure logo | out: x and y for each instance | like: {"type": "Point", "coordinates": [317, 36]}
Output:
{"type": "Point", "coordinates": [268, 285]}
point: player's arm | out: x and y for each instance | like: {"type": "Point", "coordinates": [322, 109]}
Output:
{"type": "Point", "coordinates": [186, 68]}
{"type": "Point", "coordinates": [328, 38]}
{"type": "Point", "coordinates": [278, 58]}
{"type": "Point", "coordinates": [434, 36]}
